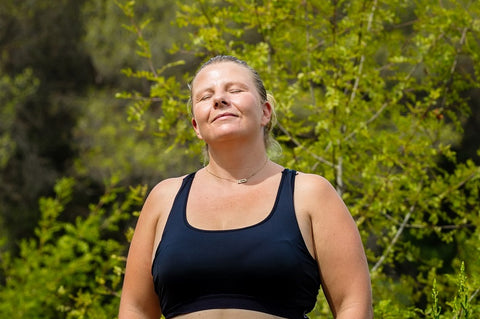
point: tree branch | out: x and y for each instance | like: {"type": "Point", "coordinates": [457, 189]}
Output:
{"type": "Point", "coordinates": [454, 66]}
{"type": "Point", "coordinates": [473, 295]}
{"type": "Point", "coordinates": [416, 226]}
{"type": "Point", "coordinates": [394, 240]}
{"type": "Point", "coordinates": [362, 58]}
{"type": "Point", "coordinates": [370, 120]}
{"type": "Point", "coordinates": [297, 143]}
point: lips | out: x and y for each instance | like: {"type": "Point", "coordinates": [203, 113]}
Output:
{"type": "Point", "coordinates": [226, 114]}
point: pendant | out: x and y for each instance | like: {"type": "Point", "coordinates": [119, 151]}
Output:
{"type": "Point", "coordinates": [241, 181]}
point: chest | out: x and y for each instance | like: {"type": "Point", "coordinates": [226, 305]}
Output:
{"type": "Point", "coordinates": [261, 260]}
{"type": "Point", "coordinates": [230, 207]}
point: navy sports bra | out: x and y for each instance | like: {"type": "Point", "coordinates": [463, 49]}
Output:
{"type": "Point", "coordinates": [265, 267]}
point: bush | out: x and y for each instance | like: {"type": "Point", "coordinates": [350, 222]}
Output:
{"type": "Point", "coordinates": [70, 270]}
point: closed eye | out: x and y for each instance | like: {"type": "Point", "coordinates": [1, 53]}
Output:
{"type": "Point", "coordinates": [204, 97]}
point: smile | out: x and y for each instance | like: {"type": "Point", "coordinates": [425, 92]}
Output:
{"type": "Point", "coordinates": [223, 115]}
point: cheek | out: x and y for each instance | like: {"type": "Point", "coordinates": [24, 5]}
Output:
{"type": "Point", "coordinates": [249, 104]}
{"type": "Point", "coordinates": [198, 112]}
{"type": "Point", "coordinates": [200, 116]}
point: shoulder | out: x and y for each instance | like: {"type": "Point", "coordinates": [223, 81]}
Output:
{"type": "Point", "coordinates": [313, 184]}
{"type": "Point", "coordinates": [317, 196]}
{"type": "Point", "coordinates": [155, 211]}
{"type": "Point", "coordinates": [166, 188]}
{"type": "Point", "coordinates": [161, 197]}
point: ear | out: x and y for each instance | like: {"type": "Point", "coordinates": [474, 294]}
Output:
{"type": "Point", "coordinates": [195, 128]}
{"type": "Point", "coordinates": [266, 113]}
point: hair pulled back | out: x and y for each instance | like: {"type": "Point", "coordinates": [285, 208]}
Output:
{"type": "Point", "coordinates": [269, 140]}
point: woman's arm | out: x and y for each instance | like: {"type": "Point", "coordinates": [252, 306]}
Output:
{"type": "Point", "coordinates": [338, 249]}
{"type": "Point", "coordinates": [139, 300]}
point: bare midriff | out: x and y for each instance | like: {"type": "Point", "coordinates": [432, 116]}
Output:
{"type": "Point", "coordinates": [227, 314]}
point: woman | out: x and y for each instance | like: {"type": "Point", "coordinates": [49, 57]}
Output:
{"type": "Point", "coordinates": [242, 237]}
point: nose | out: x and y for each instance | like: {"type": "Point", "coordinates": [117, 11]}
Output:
{"type": "Point", "coordinates": [220, 101]}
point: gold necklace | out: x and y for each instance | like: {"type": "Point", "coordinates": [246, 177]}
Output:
{"type": "Point", "coordinates": [242, 180]}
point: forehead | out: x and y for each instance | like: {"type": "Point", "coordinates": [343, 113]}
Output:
{"type": "Point", "coordinates": [222, 72]}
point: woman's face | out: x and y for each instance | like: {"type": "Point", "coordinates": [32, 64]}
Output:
{"type": "Point", "coordinates": [226, 104]}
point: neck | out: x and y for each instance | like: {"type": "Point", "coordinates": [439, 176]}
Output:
{"type": "Point", "coordinates": [236, 162]}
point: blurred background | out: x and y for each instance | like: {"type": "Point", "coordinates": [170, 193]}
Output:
{"type": "Point", "coordinates": [66, 86]}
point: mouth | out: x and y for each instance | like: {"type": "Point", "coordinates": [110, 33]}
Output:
{"type": "Point", "coordinates": [223, 115]}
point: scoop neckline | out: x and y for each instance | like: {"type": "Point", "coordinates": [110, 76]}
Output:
{"type": "Point", "coordinates": [261, 222]}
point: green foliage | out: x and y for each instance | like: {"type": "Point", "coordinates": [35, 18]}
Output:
{"type": "Point", "coordinates": [70, 270]}
{"type": "Point", "coordinates": [371, 94]}
{"type": "Point", "coordinates": [108, 144]}
{"type": "Point", "coordinates": [43, 37]}
{"type": "Point", "coordinates": [165, 92]}
{"type": "Point", "coordinates": [461, 305]}
{"type": "Point", "coordinates": [13, 92]}
{"type": "Point", "coordinates": [111, 44]}
{"type": "Point", "coordinates": [436, 309]}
